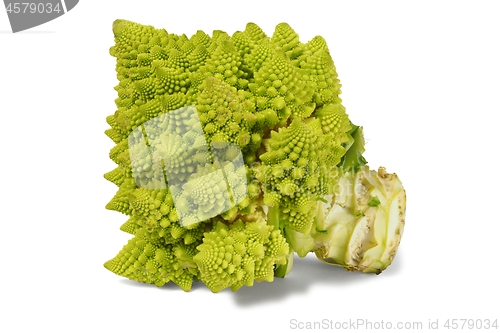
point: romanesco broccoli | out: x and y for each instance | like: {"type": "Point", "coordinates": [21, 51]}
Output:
{"type": "Point", "coordinates": [235, 152]}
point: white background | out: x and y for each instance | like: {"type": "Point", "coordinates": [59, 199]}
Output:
{"type": "Point", "coordinates": [423, 78]}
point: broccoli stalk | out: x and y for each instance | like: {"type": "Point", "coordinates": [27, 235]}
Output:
{"type": "Point", "coordinates": [361, 226]}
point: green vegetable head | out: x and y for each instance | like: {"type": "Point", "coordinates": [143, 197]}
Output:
{"type": "Point", "coordinates": [230, 150]}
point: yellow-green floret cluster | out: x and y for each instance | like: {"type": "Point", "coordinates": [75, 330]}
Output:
{"type": "Point", "coordinates": [238, 254]}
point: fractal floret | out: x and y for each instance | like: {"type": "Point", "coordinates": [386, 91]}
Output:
{"type": "Point", "coordinates": [234, 153]}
